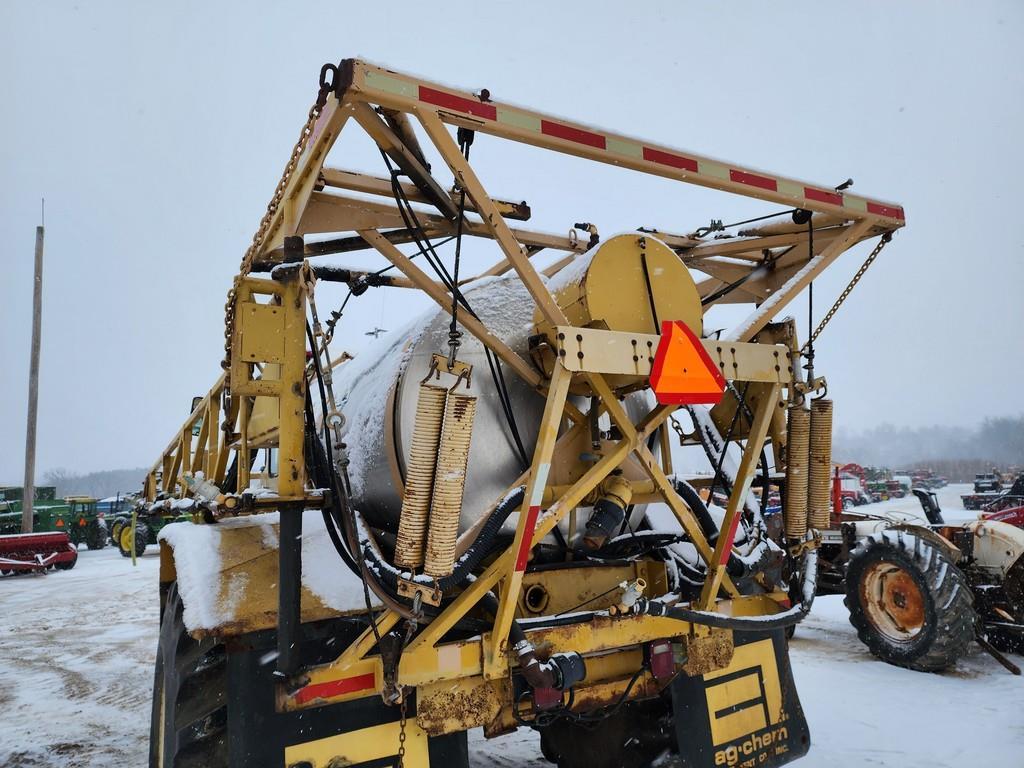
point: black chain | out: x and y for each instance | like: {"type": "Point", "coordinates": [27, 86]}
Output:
{"type": "Point", "coordinates": [454, 334]}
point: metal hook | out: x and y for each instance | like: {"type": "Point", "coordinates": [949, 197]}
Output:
{"type": "Point", "coordinates": [464, 375]}
{"type": "Point", "coordinates": [433, 371]}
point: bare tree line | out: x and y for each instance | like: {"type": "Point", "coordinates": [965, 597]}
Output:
{"type": "Point", "coordinates": [956, 452]}
{"type": "Point", "coordinates": [99, 485]}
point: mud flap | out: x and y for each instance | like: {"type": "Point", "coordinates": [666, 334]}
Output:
{"type": "Point", "coordinates": [747, 715]}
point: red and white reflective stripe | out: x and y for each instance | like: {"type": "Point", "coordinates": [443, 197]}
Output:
{"type": "Point", "coordinates": [730, 536]}
{"type": "Point", "coordinates": [334, 688]}
{"type": "Point", "coordinates": [536, 496]}
{"type": "Point", "coordinates": [621, 146]}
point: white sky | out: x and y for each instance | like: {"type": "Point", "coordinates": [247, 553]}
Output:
{"type": "Point", "coordinates": [156, 132]}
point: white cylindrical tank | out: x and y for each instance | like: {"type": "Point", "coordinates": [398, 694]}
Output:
{"type": "Point", "coordinates": [377, 394]}
{"type": "Point", "coordinates": [628, 283]}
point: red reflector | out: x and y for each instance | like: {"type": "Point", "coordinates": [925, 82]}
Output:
{"type": "Point", "coordinates": [662, 660]}
{"type": "Point", "coordinates": [59, 523]}
{"type": "Point", "coordinates": [682, 372]}
{"type": "Point", "coordinates": [546, 698]}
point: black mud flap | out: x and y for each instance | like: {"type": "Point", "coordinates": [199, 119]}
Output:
{"type": "Point", "coordinates": [747, 715]}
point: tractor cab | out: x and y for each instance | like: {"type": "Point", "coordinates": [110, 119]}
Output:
{"type": "Point", "coordinates": [82, 521]}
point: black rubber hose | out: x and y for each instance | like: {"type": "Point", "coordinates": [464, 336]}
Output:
{"type": "Point", "coordinates": [700, 510]}
{"type": "Point", "coordinates": [389, 575]}
{"type": "Point", "coordinates": [515, 631]}
{"type": "Point", "coordinates": [735, 567]}
{"type": "Point", "coordinates": [787, 618]}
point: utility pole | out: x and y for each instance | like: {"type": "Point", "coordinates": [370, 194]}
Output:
{"type": "Point", "coordinates": [29, 493]}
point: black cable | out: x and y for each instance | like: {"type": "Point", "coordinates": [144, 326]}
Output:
{"type": "Point", "coordinates": [454, 335]}
{"type": "Point", "coordinates": [423, 242]}
{"type": "Point", "coordinates": [760, 218]}
{"type": "Point", "coordinates": [727, 440]}
{"type": "Point", "coordinates": [333, 478]}
{"type": "Point", "coordinates": [810, 302]}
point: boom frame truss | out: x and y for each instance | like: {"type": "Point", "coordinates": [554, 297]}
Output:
{"type": "Point", "coordinates": [771, 266]}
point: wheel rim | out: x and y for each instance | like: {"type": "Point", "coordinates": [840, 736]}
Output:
{"type": "Point", "coordinates": [892, 601]}
{"type": "Point", "coordinates": [126, 538]}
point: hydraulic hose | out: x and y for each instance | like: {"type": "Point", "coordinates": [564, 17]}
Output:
{"type": "Point", "coordinates": [787, 618]}
{"type": "Point", "coordinates": [389, 575]}
{"type": "Point", "coordinates": [735, 566]}
{"type": "Point", "coordinates": [700, 510]}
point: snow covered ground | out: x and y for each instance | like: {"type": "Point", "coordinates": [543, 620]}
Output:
{"type": "Point", "coordinates": [76, 652]}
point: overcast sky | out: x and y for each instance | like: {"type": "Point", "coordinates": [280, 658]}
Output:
{"type": "Point", "coordinates": [157, 131]}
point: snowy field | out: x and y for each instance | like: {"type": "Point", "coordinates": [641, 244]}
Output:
{"type": "Point", "coordinates": [76, 651]}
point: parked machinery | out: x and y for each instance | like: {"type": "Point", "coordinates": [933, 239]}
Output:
{"type": "Point", "coordinates": [77, 516]}
{"type": "Point", "coordinates": [475, 522]}
{"type": "Point", "coordinates": [920, 594]}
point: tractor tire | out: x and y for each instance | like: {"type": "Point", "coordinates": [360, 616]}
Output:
{"type": "Point", "coordinates": [115, 529]}
{"type": "Point", "coordinates": [188, 723]}
{"type": "Point", "coordinates": [848, 504]}
{"type": "Point", "coordinates": [124, 541]}
{"type": "Point", "coordinates": [96, 535]}
{"type": "Point", "coordinates": [911, 605]}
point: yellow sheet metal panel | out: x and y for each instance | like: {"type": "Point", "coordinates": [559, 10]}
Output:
{"type": "Point", "coordinates": [260, 334]}
{"type": "Point", "coordinates": [357, 747]}
{"type": "Point", "coordinates": [628, 283]}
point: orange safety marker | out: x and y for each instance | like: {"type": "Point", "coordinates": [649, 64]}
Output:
{"type": "Point", "coordinates": [683, 373]}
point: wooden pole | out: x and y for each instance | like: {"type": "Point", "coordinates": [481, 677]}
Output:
{"type": "Point", "coordinates": [33, 390]}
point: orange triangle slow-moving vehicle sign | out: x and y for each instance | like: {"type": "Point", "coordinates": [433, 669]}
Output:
{"type": "Point", "coordinates": [682, 372]}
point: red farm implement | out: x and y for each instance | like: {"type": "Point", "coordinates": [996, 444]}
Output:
{"type": "Point", "coordinates": [26, 552]}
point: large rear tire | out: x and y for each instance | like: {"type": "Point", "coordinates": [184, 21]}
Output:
{"type": "Point", "coordinates": [124, 541]}
{"type": "Point", "coordinates": [96, 534]}
{"type": "Point", "coordinates": [910, 604]}
{"type": "Point", "coordinates": [115, 529]}
{"type": "Point", "coordinates": [188, 724]}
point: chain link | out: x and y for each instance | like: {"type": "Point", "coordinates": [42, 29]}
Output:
{"type": "Point", "coordinates": [678, 429]}
{"type": "Point", "coordinates": [846, 291]}
{"type": "Point", "coordinates": [401, 735]}
{"type": "Point", "coordinates": [261, 232]}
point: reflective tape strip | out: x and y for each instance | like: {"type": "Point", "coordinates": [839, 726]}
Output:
{"type": "Point", "coordinates": [622, 146]}
{"type": "Point", "coordinates": [569, 133]}
{"type": "Point", "coordinates": [729, 538]}
{"type": "Point", "coordinates": [538, 486]}
{"type": "Point", "coordinates": [336, 688]}
{"type": "Point", "coordinates": [536, 496]}
{"type": "Point", "coordinates": [473, 107]}
{"type": "Point", "coordinates": [670, 159]}
{"type": "Point", "coordinates": [527, 543]}
{"type": "Point", "coordinates": [753, 180]}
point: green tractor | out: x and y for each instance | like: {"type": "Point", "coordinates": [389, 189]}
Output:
{"type": "Point", "coordinates": [77, 516]}
{"type": "Point", "coordinates": [144, 523]}
{"type": "Point", "coordinates": [80, 519]}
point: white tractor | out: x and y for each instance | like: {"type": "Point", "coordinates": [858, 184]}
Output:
{"type": "Point", "coordinates": [919, 594]}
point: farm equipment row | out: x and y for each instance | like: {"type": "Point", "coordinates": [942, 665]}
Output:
{"type": "Point", "coordinates": [34, 552]}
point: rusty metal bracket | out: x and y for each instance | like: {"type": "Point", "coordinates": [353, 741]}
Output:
{"type": "Point", "coordinates": [431, 595]}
